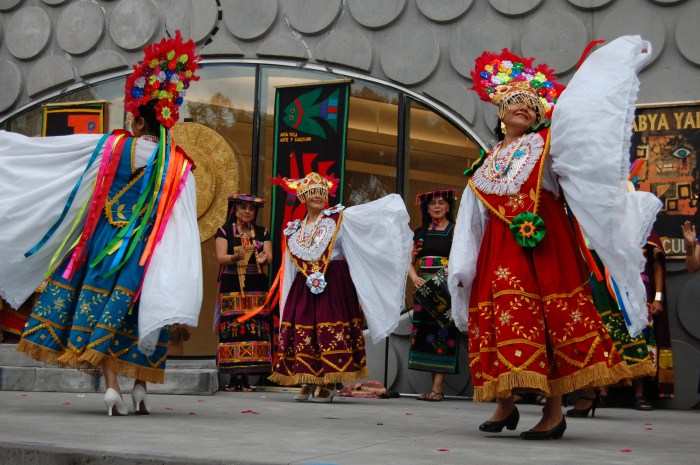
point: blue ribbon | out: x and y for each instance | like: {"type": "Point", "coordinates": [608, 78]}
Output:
{"type": "Point", "coordinates": [69, 202]}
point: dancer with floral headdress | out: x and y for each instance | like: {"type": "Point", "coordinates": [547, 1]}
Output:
{"type": "Point", "coordinates": [341, 267]}
{"type": "Point", "coordinates": [123, 248]}
{"type": "Point", "coordinates": [517, 280]}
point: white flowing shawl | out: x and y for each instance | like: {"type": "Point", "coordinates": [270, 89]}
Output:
{"type": "Point", "coordinates": [376, 242]}
{"type": "Point", "coordinates": [590, 146]}
{"type": "Point", "coordinates": [36, 178]}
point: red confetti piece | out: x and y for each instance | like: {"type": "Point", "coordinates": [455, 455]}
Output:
{"type": "Point", "coordinates": [409, 413]}
{"type": "Point", "coordinates": [24, 395]}
{"type": "Point", "coordinates": [648, 429]}
{"type": "Point", "coordinates": [250, 411]}
{"type": "Point", "coordinates": [66, 403]}
{"type": "Point", "coordinates": [201, 401]}
{"type": "Point", "coordinates": [648, 424]}
{"type": "Point", "coordinates": [443, 450]}
{"type": "Point", "coordinates": [191, 413]}
{"type": "Point", "coordinates": [169, 408]}
{"type": "Point", "coordinates": [625, 450]}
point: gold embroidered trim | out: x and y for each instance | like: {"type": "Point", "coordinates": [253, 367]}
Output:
{"type": "Point", "coordinates": [110, 202]}
{"type": "Point", "coordinates": [355, 321]}
{"type": "Point", "coordinates": [61, 285]}
{"type": "Point", "coordinates": [96, 290]}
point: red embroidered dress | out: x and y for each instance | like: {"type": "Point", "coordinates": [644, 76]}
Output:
{"type": "Point", "coordinates": [532, 322]}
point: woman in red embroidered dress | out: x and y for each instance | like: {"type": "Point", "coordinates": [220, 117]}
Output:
{"type": "Point", "coordinates": [515, 259]}
{"type": "Point", "coordinates": [337, 260]}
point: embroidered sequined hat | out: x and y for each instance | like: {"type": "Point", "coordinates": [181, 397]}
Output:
{"type": "Point", "coordinates": [507, 78]}
{"type": "Point", "coordinates": [164, 75]}
{"type": "Point", "coordinates": [235, 199]}
{"type": "Point", "coordinates": [312, 184]}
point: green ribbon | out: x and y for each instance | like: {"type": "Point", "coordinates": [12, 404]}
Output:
{"type": "Point", "coordinates": [527, 229]}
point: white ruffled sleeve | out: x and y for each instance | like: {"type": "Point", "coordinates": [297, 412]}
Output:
{"type": "Point", "coordinates": [172, 286]}
{"type": "Point", "coordinates": [590, 148]}
{"type": "Point", "coordinates": [377, 243]}
{"type": "Point", "coordinates": [290, 272]}
{"type": "Point", "coordinates": [37, 175]}
{"type": "Point", "coordinates": [469, 231]}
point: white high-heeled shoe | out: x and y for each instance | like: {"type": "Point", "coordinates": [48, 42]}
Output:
{"type": "Point", "coordinates": [140, 400]}
{"type": "Point", "coordinates": [323, 394]}
{"type": "Point", "coordinates": [115, 403]}
{"type": "Point", "coordinates": [305, 391]}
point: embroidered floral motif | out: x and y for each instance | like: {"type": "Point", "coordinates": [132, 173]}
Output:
{"type": "Point", "coordinates": [502, 273]}
{"type": "Point", "coordinates": [576, 316]}
{"type": "Point", "coordinates": [505, 318]}
{"type": "Point", "coordinates": [516, 201]}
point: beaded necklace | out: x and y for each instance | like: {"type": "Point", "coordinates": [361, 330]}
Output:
{"type": "Point", "coordinates": [150, 137]}
{"type": "Point", "coordinates": [306, 238]}
{"type": "Point", "coordinates": [498, 166]}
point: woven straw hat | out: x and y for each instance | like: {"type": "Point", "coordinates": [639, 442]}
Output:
{"type": "Point", "coordinates": [216, 174]}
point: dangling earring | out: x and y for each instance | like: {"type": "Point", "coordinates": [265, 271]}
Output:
{"type": "Point", "coordinates": [503, 128]}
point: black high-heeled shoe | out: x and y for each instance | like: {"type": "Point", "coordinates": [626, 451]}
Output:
{"type": "Point", "coordinates": [555, 433]}
{"type": "Point", "coordinates": [583, 413]}
{"type": "Point", "coordinates": [510, 422]}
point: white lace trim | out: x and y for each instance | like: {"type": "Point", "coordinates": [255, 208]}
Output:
{"type": "Point", "coordinates": [326, 229]}
{"type": "Point", "coordinates": [532, 147]}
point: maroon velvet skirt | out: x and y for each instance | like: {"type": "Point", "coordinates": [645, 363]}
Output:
{"type": "Point", "coordinates": [320, 340]}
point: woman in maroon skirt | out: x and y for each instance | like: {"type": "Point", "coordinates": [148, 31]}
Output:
{"type": "Point", "coordinates": [342, 268]}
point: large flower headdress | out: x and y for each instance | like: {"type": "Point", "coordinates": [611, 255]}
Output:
{"type": "Point", "coordinates": [164, 75]}
{"type": "Point", "coordinates": [312, 184]}
{"type": "Point", "coordinates": [507, 78]}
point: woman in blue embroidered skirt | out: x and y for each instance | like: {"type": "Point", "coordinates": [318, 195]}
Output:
{"type": "Point", "coordinates": [131, 264]}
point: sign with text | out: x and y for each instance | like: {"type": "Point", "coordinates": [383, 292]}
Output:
{"type": "Point", "coordinates": [667, 138]}
{"type": "Point", "coordinates": [310, 135]}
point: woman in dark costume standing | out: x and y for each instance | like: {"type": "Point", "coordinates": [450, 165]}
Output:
{"type": "Point", "coordinates": [242, 249]}
{"type": "Point", "coordinates": [433, 348]}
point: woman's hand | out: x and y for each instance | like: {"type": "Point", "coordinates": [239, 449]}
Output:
{"type": "Point", "coordinates": [656, 307]}
{"type": "Point", "coordinates": [263, 258]}
{"type": "Point", "coordinates": [417, 281]}
{"type": "Point", "coordinates": [689, 233]}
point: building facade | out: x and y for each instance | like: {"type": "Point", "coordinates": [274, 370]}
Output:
{"type": "Point", "coordinates": [413, 125]}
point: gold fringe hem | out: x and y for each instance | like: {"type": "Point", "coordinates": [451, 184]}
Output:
{"type": "Point", "coordinates": [503, 386]}
{"type": "Point", "coordinates": [593, 376]}
{"type": "Point", "coordinates": [597, 375]}
{"type": "Point", "coordinates": [90, 362]}
{"type": "Point", "coordinates": [642, 369]}
{"type": "Point", "coordinates": [40, 353]}
{"type": "Point", "coordinates": [328, 378]}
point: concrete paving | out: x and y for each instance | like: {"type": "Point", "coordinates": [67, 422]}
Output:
{"type": "Point", "coordinates": [267, 427]}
